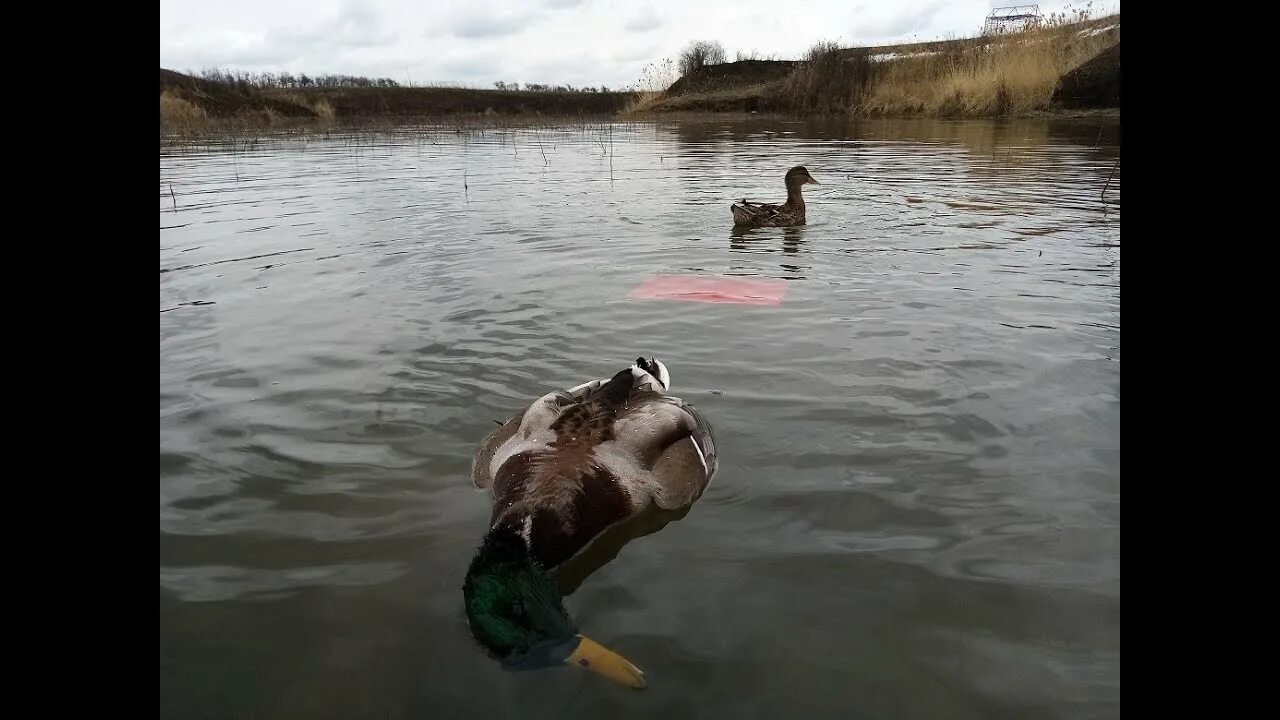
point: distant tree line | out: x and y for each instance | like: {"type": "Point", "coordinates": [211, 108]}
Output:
{"type": "Point", "coordinates": [244, 80]}
{"type": "Point", "coordinates": [248, 80]}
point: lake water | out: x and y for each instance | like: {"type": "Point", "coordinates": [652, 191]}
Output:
{"type": "Point", "coordinates": [917, 513]}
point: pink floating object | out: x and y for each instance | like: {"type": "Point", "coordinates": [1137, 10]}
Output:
{"type": "Point", "coordinates": [700, 288]}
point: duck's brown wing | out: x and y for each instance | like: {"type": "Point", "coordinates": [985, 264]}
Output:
{"type": "Point", "coordinates": [748, 213]}
{"type": "Point", "coordinates": [657, 447]}
{"type": "Point", "coordinates": [686, 467]}
{"type": "Point", "coordinates": [481, 474]}
{"type": "Point", "coordinates": [529, 429]}
{"type": "Point", "coordinates": [673, 448]}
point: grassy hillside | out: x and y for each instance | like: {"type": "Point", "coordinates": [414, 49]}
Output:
{"type": "Point", "coordinates": [980, 77]}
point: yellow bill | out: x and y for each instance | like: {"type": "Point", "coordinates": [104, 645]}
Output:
{"type": "Point", "coordinates": [593, 656]}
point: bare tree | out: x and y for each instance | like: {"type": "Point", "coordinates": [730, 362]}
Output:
{"type": "Point", "coordinates": [700, 54]}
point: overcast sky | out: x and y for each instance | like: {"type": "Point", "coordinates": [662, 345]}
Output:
{"type": "Point", "coordinates": [578, 42]}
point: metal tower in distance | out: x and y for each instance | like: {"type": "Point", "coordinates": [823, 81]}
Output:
{"type": "Point", "coordinates": [1010, 18]}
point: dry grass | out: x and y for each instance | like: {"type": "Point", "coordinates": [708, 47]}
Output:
{"type": "Point", "coordinates": [988, 76]}
{"type": "Point", "coordinates": [643, 101]}
{"type": "Point", "coordinates": [320, 107]}
{"type": "Point", "coordinates": [761, 97]}
{"type": "Point", "coordinates": [828, 80]}
{"type": "Point", "coordinates": [178, 113]}
{"type": "Point", "coordinates": [1014, 74]}
{"type": "Point", "coordinates": [323, 109]}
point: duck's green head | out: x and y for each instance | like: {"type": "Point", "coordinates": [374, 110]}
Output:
{"type": "Point", "coordinates": [514, 610]}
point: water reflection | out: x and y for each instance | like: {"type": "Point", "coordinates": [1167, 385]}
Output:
{"type": "Point", "coordinates": [606, 546]}
{"type": "Point", "coordinates": [790, 240]}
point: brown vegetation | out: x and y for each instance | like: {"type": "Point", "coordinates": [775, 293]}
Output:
{"type": "Point", "coordinates": [829, 80]}
{"type": "Point", "coordinates": [180, 113]}
{"type": "Point", "coordinates": [726, 76]}
{"type": "Point", "coordinates": [247, 100]}
{"type": "Point", "coordinates": [700, 54]}
{"type": "Point", "coordinates": [987, 76]}
{"type": "Point", "coordinates": [1013, 74]}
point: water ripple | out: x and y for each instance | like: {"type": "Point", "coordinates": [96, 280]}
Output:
{"type": "Point", "coordinates": [918, 507]}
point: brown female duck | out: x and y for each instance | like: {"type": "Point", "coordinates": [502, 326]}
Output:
{"type": "Point", "coordinates": [572, 465]}
{"type": "Point", "coordinates": [785, 215]}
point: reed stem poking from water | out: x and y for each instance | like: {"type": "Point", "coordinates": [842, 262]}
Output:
{"type": "Point", "coordinates": [466, 191]}
{"type": "Point", "coordinates": [173, 197]}
{"type": "Point", "coordinates": [1113, 172]}
{"type": "Point", "coordinates": [541, 150]}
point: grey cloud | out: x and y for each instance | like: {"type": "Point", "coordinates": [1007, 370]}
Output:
{"type": "Point", "coordinates": [305, 41]}
{"type": "Point", "coordinates": [563, 3]}
{"type": "Point", "coordinates": [477, 26]}
{"type": "Point", "coordinates": [354, 27]}
{"type": "Point", "coordinates": [643, 21]}
{"type": "Point", "coordinates": [557, 65]}
{"type": "Point", "coordinates": [642, 53]}
{"type": "Point", "coordinates": [219, 55]}
{"type": "Point", "coordinates": [471, 68]}
{"type": "Point", "coordinates": [901, 22]}
{"type": "Point", "coordinates": [578, 69]}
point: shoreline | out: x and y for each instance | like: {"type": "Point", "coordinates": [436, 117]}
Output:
{"type": "Point", "coordinates": [237, 130]}
{"type": "Point", "coordinates": [1058, 71]}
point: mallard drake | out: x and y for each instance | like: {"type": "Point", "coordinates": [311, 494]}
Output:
{"type": "Point", "coordinates": [787, 214]}
{"type": "Point", "coordinates": [570, 466]}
